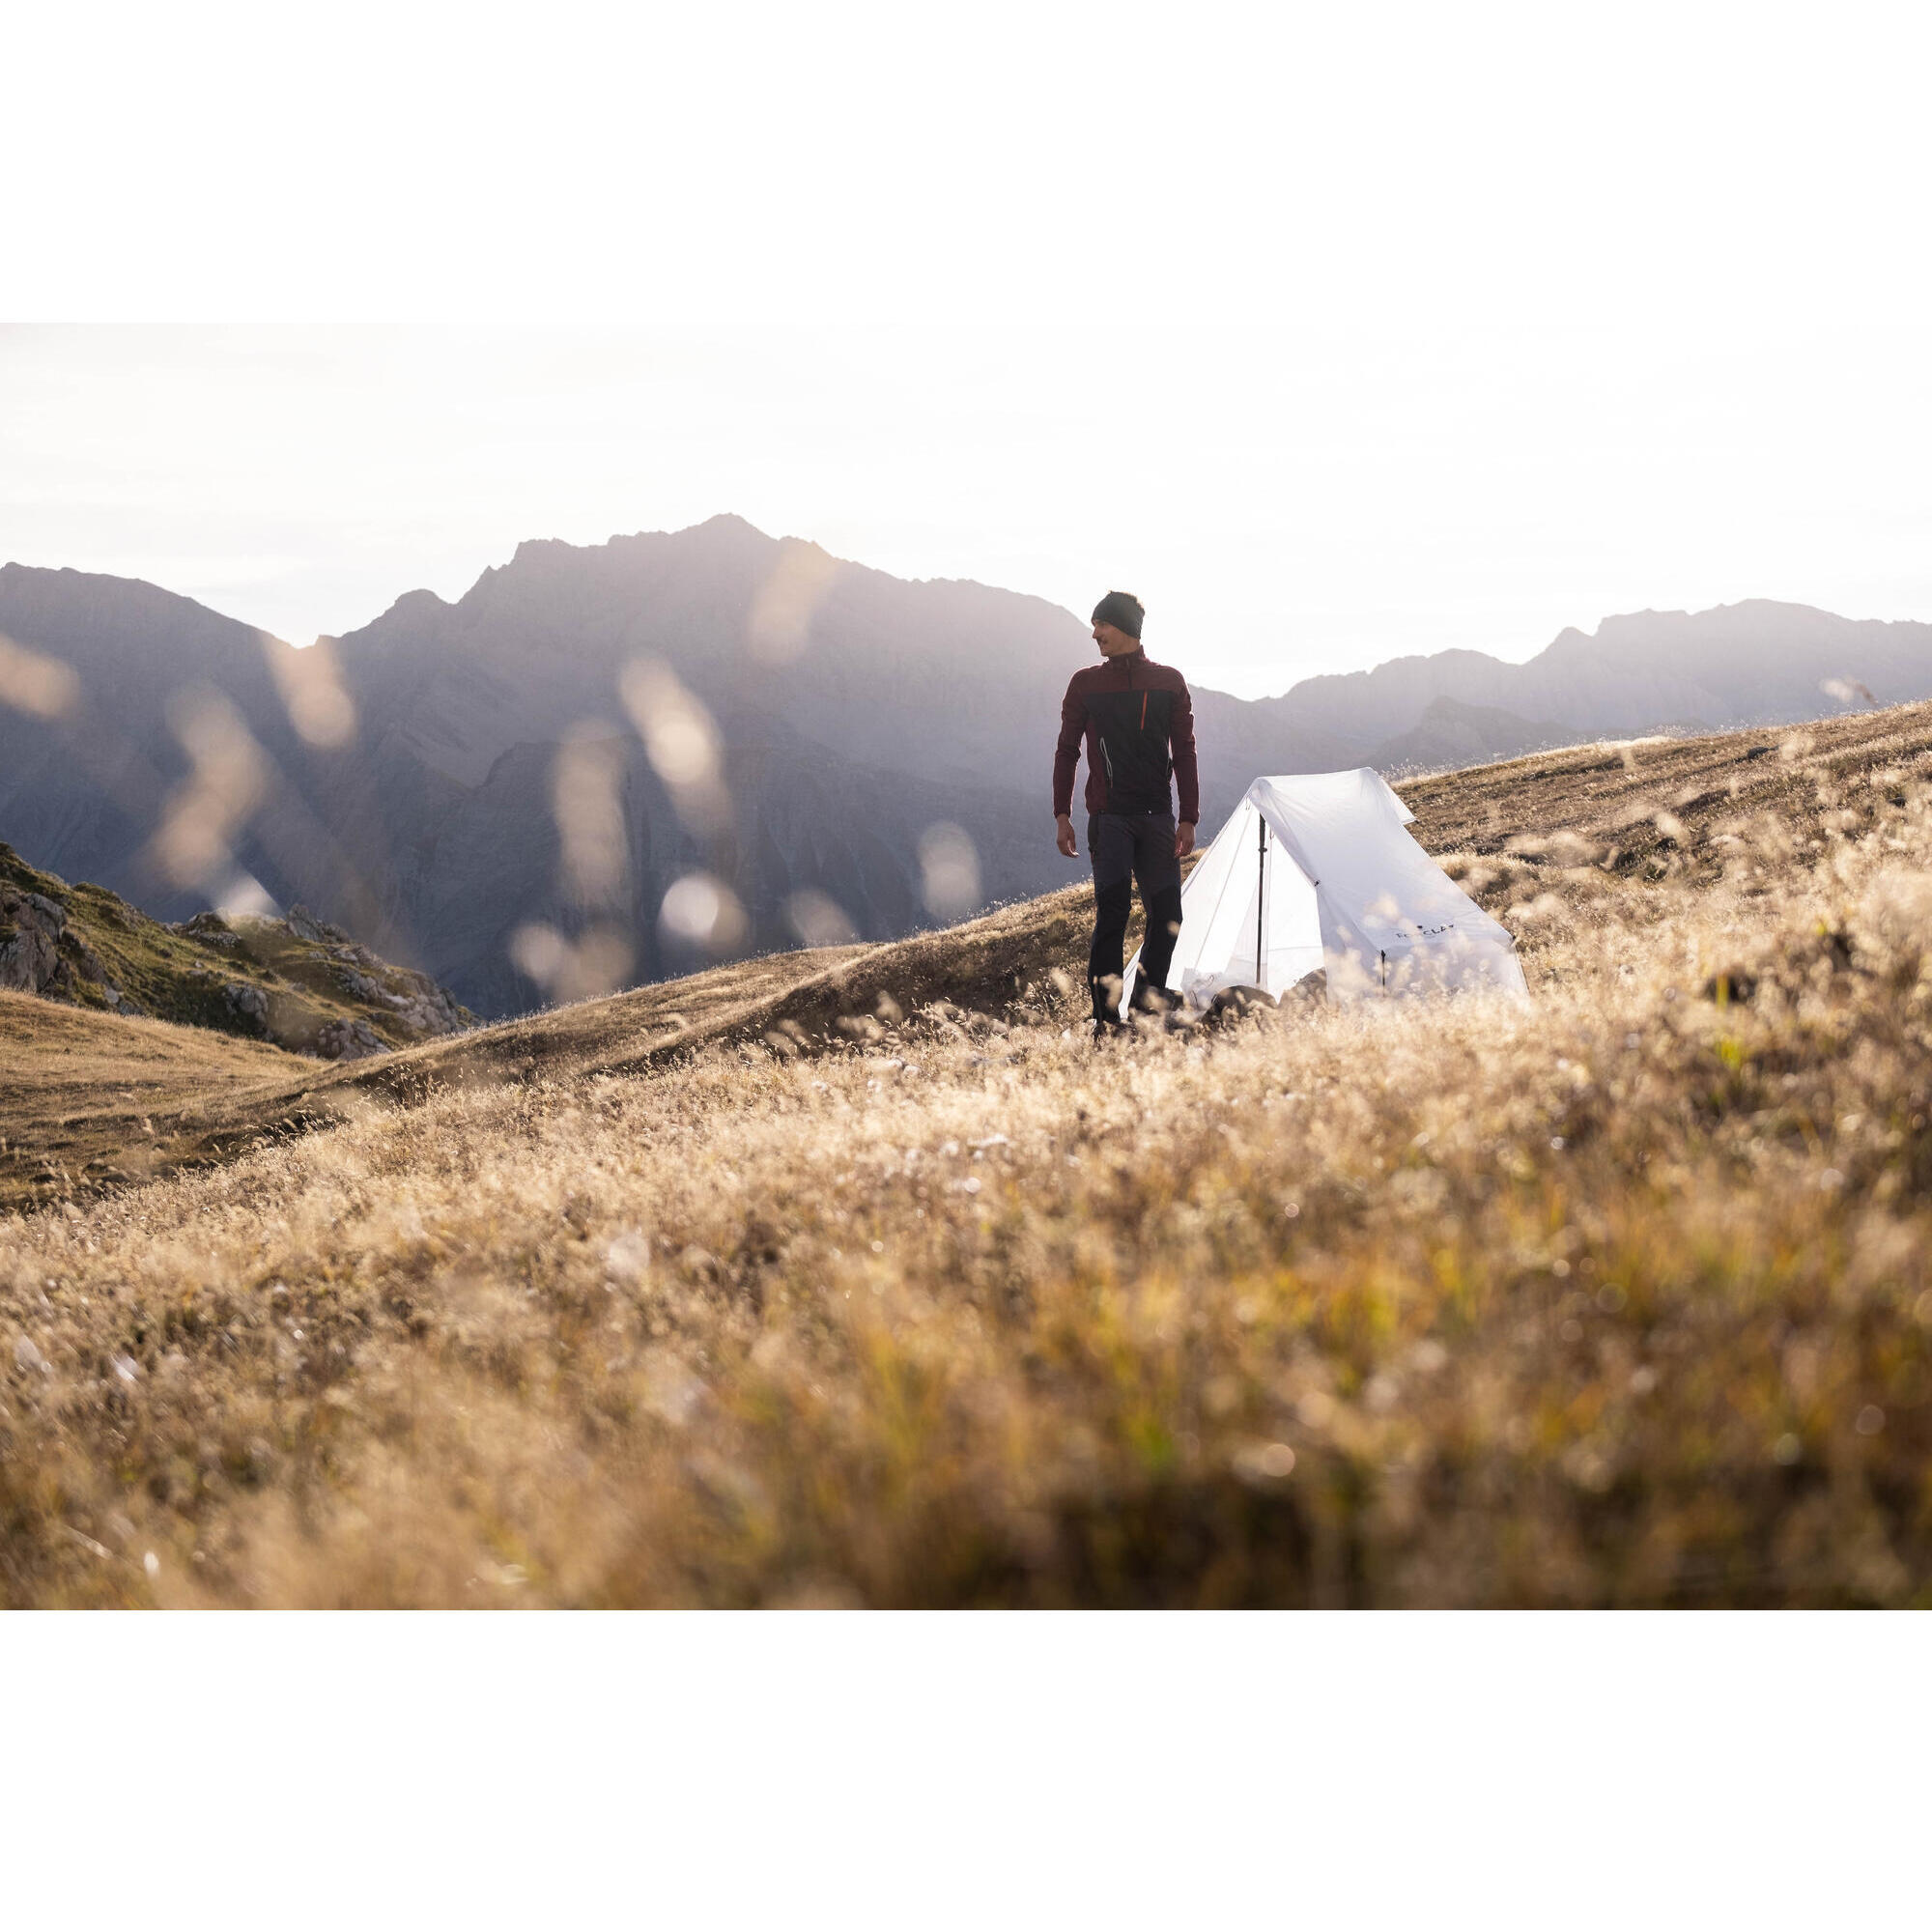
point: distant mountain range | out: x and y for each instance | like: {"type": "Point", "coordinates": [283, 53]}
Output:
{"type": "Point", "coordinates": [493, 789]}
{"type": "Point", "coordinates": [1755, 663]}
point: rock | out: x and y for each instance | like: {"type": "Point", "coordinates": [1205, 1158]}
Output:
{"type": "Point", "coordinates": [247, 1003]}
{"type": "Point", "coordinates": [211, 928]}
{"type": "Point", "coordinates": [348, 1039]}
{"type": "Point", "coordinates": [425, 1008]}
{"type": "Point", "coordinates": [432, 1011]}
{"type": "Point", "coordinates": [31, 926]}
{"type": "Point", "coordinates": [83, 957]}
{"type": "Point", "coordinates": [304, 924]}
{"type": "Point", "coordinates": [40, 951]}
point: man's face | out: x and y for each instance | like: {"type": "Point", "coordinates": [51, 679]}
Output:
{"type": "Point", "coordinates": [1112, 640]}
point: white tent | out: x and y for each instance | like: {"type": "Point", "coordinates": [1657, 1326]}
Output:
{"type": "Point", "coordinates": [1318, 872]}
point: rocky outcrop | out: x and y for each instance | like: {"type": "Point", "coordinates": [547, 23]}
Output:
{"type": "Point", "coordinates": [250, 1005]}
{"type": "Point", "coordinates": [348, 1039]}
{"type": "Point", "coordinates": [304, 924]}
{"type": "Point", "coordinates": [211, 928]}
{"type": "Point", "coordinates": [419, 1003]}
{"type": "Point", "coordinates": [425, 1011]}
{"type": "Point", "coordinates": [301, 983]}
{"type": "Point", "coordinates": [30, 934]}
{"type": "Point", "coordinates": [41, 951]}
{"type": "Point", "coordinates": [285, 1021]}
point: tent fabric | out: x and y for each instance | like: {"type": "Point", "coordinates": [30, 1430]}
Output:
{"type": "Point", "coordinates": [1318, 872]}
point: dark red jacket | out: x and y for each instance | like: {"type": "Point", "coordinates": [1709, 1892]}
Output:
{"type": "Point", "coordinates": [1138, 721]}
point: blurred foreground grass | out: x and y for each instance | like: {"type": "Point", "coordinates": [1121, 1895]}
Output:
{"type": "Point", "coordinates": [1620, 1297]}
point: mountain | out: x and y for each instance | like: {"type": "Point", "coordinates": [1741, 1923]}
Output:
{"type": "Point", "coordinates": [408, 778]}
{"type": "Point", "coordinates": [950, 681]}
{"type": "Point", "coordinates": [503, 791]}
{"type": "Point", "coordinates": [1449, 735]}
{"type": "Point", "coordinates": [1754, 662]}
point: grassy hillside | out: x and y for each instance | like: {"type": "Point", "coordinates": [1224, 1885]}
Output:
{"type": "Point", "coordinates": [301, 984]}
{"type": "Point", "coordinates": [70, 1084]}
{"type": "Point", "coordinates": [789, 1284]}
{"type": "Point", "coordinates": [89, 1102]}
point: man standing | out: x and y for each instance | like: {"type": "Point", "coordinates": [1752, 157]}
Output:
{"type": "Point", "coordinates": [1138, 722]}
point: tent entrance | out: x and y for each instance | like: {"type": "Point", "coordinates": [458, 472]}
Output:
{"type": "Point", "coordinates": [1251, 917]}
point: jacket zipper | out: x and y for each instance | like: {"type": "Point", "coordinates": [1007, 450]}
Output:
{"type": "Point", "coordinates": [1105, 752]}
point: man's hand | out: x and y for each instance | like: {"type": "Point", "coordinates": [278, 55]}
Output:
{"type": "Point", "coordinates": [1183, 840]}
{"type": "Point", "coordinates": [1064, 838]}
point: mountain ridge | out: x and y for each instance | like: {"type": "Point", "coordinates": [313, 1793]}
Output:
{"type": "Point", "coordinates": [1565, 682]}
{"type": "Point", "coordinates": [406, 778]}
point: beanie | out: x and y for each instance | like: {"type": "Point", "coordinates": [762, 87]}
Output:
{"type": "Point", "coordinates": [1122, 610]}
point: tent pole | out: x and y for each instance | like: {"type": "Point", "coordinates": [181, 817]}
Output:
{"type": "Point", "coordinates": [1261, 890]}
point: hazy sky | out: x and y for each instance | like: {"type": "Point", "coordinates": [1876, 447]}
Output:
{"type": "Point", "coordinates": [1336, 339]}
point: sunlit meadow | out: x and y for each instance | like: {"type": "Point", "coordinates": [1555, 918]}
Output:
{"type": "Point", "coordinates": [1621, 1296]}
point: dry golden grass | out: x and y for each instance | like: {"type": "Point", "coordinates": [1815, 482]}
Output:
{"type": "Point", "coordinates": [1620, 1297]}
{"type": "Point", "coordinates": [90, 1101]}
{"type": "Point", "coordinates": [84, 1111]}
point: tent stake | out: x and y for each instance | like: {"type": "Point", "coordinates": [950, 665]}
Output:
{"type": "Point", "coordinates": [1261, 889]}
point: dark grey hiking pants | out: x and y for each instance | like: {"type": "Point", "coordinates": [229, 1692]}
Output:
{"type": "Point", "coordinates": [1125, 846]}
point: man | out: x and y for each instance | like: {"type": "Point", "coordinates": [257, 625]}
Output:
{"type": "Point", "coordinates": [1138, 724]}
